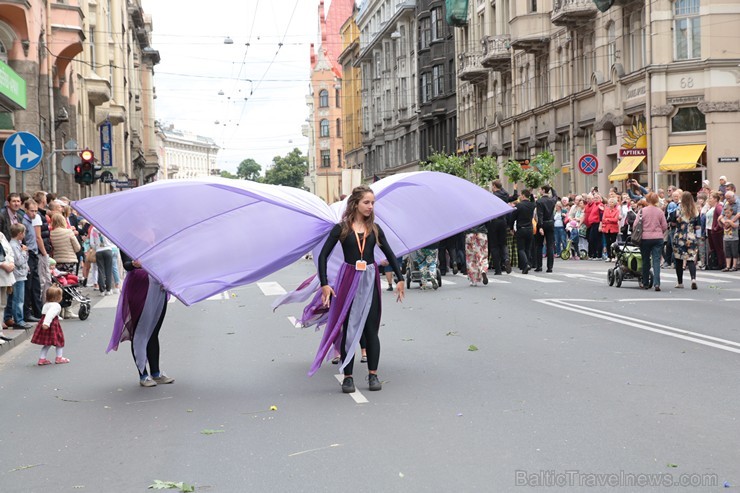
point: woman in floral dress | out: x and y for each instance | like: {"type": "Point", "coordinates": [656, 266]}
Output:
{"type": "Point", "coordinates": [476, 254]}
{"type": "Point", "coordinates": [685, 243]}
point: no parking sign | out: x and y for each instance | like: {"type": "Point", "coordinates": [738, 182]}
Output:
{"type": "Point", "coordinates": [588, 164]}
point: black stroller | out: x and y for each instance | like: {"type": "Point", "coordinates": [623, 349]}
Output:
{"type": "Point", "coordinates": [69, 284]}
{"type": "Point", "coordinates": [627, 266]}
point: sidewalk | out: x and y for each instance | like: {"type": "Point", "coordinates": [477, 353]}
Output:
{"type": "Point", "coordinates": [16, 337]}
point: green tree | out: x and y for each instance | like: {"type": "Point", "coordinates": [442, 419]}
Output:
{"type": "Point", "coordinates": [288, 170]}
{"type": "Point", "coordinates": [482, 171]}
{"type": "Point", "coordinates": [541, 170]}
{"type": "Point", "coordinates": [249, 169]}
{"type": "Point", "coordinates": [226, 174]}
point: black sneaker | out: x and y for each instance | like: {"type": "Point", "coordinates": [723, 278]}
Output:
{"type": "Point", "coordinates": [507, 267]}
{"type": "Point", "coordinates": [348, 385]}
{"type": "Point", "coordinates": [373, 381]}
{"type": "Point", "coordinates": [454, 269]}
{"type": "Point", "coordinates": [485, 277]}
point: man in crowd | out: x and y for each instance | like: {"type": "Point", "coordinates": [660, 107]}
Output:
{"type": "Point", "coordinates": [545, 207]}
{"type": "Point", "coordinates": [497, 230]}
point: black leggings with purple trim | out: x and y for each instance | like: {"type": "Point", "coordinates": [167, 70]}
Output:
{"type": "Point", "coordinates": [369, 333]}
{"type": "Point", "coordinates": [152, 347]}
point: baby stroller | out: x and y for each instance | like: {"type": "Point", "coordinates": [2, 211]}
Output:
{"type": "Point", "coordinates": [627, 266]}
{"type": "Point", "coordinates": [70, 294]}
{"type": "Point", "coordinates": [421, 268]}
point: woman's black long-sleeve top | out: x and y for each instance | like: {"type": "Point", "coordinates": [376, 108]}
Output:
{"type": "Point", "coordinates": [352, 251]}
{"type": "Point", "coordinates": [128, 262]}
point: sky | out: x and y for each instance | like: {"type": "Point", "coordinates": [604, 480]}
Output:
{"type": "Point", "coordinates": [249, 96]}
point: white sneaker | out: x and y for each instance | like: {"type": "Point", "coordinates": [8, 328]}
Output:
{"type": "Point", "coordinates": [116, 291]}
{"type": "Point", "coordinates": [108, 293]}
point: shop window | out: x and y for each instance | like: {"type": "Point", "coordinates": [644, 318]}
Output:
{"type": "Point", "coordinates": [688, 120]}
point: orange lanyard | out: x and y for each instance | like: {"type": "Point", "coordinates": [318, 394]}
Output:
{"type": "Point", "coordinates": [361, 245]}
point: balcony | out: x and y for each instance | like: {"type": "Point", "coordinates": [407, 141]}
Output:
{"type": "Point", "coordinates": [471, 69]}
{"type": "Point", "coordinates": [573, 13]}
{"type": "Point", "coordinates": [531, 32]}
{"type": "Point", "coordinates": [497, 53]}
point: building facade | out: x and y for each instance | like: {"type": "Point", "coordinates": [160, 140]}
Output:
{"type": "Point", "coordinates": [325, 105]}
{"type": "Point", "coordinates": [354, 153]}
{"type": "Point", "coordinates": [388, 61]}
{"type": "Point", "coordinates": [185, 155]}
{"type": "Point", "coordinates": [437, 80]}
{"type": "Point", "coordinates": [649, 88]}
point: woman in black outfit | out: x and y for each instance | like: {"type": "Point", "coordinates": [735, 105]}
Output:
{"type": "Point", "coordinates": [358, 281]}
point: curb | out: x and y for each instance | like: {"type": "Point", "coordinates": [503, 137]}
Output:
{"type": "Point", "coordinates": [16, 336]}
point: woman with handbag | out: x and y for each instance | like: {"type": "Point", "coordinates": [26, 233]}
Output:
{"type": "Point", "coordinates": [65, 247]}
{"type": "Point", "coordinates": [654, 226]}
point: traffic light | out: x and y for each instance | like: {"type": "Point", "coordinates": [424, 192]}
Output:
{"type": "Point", "coordinates": [85, 171]}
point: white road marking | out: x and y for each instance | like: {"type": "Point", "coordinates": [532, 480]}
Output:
{"type": "Point", "coordinates": [219, 296]}
{"type": "Point", "coordinates": [585, 278]}
{"type": "Point", "coordinates": [356, 395]}
{"type": "Point", "coordinates": [294, 322]}
{"type": "Point", "coordinates": [686, 335]}
{"type": "Point", "coordinates": [271, 288]}
{"type": "Point", "coordinates": [532, 277]}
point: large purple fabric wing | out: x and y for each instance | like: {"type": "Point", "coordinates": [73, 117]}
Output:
{"type": "Point", "coordinates": [202, 237]}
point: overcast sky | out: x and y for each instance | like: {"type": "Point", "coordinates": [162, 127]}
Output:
{"type": "Point", "coordinates": [258, 119]}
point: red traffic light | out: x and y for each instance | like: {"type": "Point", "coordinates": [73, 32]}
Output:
{"type": "Point", "coordinates": [87, 156]}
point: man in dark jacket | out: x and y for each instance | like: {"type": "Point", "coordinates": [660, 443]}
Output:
{"type": "Point", "coordinates": [545, 207]}
{"type": "Point", "coordinates": [497, 229]}
{"type": "Point", "coordinates": [522, 218]}
{"type": "Point", "coordinates": [10, 214]}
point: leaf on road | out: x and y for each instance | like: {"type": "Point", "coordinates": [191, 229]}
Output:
{"type": "Point", "coordinates": [407, 340]}
{"type": "Point", "coordinates": [672, 465]}
{"type": "Point", "coordinates": [29, 466]}
{"type": "Point", "coordinates": [451, 333]}
{"type": "Point", "coordinates": [273, 408]}
{"type": "Point", "coordinates": [171, 485]}
{"type": "Point", "coordinates": [210, 432]}
{"type": "Point", "coordinates": [472, 347]}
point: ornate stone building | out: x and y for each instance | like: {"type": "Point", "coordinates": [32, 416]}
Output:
{"type": "Point", "coordinates": [67, 68]}
{"type": "Point", "coordinates": [649, 88]}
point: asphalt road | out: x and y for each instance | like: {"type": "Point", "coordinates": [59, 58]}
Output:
{"type": "Point", "coordinates": [574, 386]}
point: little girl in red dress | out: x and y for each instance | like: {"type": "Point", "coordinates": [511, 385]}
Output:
{"type": "Point", "coordinates": [48, 330]}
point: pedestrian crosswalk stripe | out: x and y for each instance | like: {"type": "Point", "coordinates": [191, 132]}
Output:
{"type": "Point", "coordinates": [271, 288]}
{"type": "Point", "coordinates": [666, 273]}
{"type": "Point", "coordinates": [531, 277]}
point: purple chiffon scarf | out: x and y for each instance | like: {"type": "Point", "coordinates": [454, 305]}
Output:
{"type": "Point", "coordinates": [348, 283]}
{"type": "Point", "coordinates": [139, 309]}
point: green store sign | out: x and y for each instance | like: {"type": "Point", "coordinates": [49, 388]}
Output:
{"type": "Point", "coordinates": [12, 85]}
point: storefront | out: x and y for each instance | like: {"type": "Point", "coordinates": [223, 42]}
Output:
{"type": "Point", "coordinates": [12, 98]}
{"type": "Point", "coordinates": [683, 166]}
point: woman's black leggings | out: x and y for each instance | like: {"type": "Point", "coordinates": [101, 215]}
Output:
{"type": "Point", "coordinates": [370, 334]}
{"type": "Point", "coordinates": [679, 269]}
{"type": "Point", "coordinates": [152, 347]}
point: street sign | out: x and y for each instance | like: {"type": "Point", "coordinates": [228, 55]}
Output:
{"type": "Point", "coordinates": [106, 177]}
{"type": "Point", "coordinates": [23, 151]}
{"type": "Point", "coordinates": [588, 164]}
{"type": "Point", "coordinates": [106, 149]}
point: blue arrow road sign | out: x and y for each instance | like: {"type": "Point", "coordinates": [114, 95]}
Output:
{"type": "Point", "coordinates": [23, 151]}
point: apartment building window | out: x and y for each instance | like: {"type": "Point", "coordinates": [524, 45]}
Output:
{"type": "Point", "coordinates": [425, 33]}
{"type": "Point", "coordinates": [561, 73]}
{"type": "Point", "coordinates": [636, 39]}
{"type": "Point", "coordinates": [506, 94]}
{"type": "Point", "coordinates": [426, 87]}
{"type": "Point", "coordinates": [532, 6]}
{"type": "Point", "coordinates": [403, 93]}
{"type": "Point", "coordinates": [688, 120]}
{"type": "Point", "coordinates": [587, 59]}
{"type": "Point", "coordinates": [339, 158]}
{"type": "Point", "coordinates": [687, 29]}
{"type": "Point", "coordinates": [339, 127]}
{"type": "Point", "coordinates": [611, 45]}
{"type": "Point", "coordinates": [325, 159]}
{"type": "Point", "coordinates": [378, 68]}
{"type": "Point", "coordinates": [451, 75]}
{"type": "Point", "coordinates": [401, 41]}
{"type": "Point", "coordinates": [438, 75]}
{"type": "Point", "coordinates": [542, 82]}
{"type": "Point", "coordinates": [323, 98]}
{"type": "Point", "coordinates": [3, 53]}
{"type": "Point", "coordinates": [437, 25]}
{"type": "Point", "coordinates": [324, 128]}
{"type": "Point", "coordinates": [92, 48]}
{"type": "Point", "coordinates": [388, 53]}
{"type": "Point", "coordinates": [338, 98]}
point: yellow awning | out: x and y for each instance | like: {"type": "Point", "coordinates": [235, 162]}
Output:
{"type": "Point", "coordinates": [624, 168]}
{"type": "Point", "coordinates": [680, 158]}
